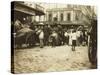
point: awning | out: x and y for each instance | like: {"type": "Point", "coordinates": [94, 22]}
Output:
{"type": "Point", "coordinates": [65, 23]}
{"type": "Point", "coordinates": [19, 6]}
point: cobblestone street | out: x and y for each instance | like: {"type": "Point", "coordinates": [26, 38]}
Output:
{"type": "Point", "coordinates": [60, 58]}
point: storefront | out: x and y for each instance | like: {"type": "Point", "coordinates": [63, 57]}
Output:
{"type": "Point", "coordinates": [24, 12]}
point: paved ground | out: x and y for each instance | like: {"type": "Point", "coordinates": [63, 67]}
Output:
{"type": "Point", "coordinates": [60, 58]}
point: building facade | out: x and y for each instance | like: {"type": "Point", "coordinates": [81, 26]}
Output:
{"type": "Point", "coordinates": [26, 11]}
{"type": "Point", "coordinates": [65, 16]}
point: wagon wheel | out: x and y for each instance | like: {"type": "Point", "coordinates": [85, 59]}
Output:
{"type": "Point", "coordinates": [27, 39]}
{"type": "Point", "coordinates": [30, 39]}
{"type": "Point", "coordinates": [92, 52]}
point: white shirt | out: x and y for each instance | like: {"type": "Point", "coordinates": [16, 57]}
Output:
{"type": "Point", "coordinates": [54, 34]}
{"type": "Point", "coordinates": [41, 35]}
{"type": "Point", "coordinates": [78, 33]}
{"type": "Point", "coordinates": [74, 36]}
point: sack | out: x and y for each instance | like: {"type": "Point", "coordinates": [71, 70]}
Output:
{"type": "Point", "coordinates": [65, 34]}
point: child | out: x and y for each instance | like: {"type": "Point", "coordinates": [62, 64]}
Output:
{"type": "Point", "coordinates": [74, 37]}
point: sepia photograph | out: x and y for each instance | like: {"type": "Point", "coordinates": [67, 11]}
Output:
{"type": "Point", "coordinates": [53, 37]}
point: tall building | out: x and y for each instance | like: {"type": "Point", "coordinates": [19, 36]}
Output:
{"type": "Point", "coordinates": [71, 15]}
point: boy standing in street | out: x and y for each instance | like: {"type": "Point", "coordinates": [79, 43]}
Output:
{"type": "Point", "coordinates": [74, 38]}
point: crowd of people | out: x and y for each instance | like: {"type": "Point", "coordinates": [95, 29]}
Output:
{"type": "Point", "coordinates": [55, 35]}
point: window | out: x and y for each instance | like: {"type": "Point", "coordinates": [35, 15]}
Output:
{"type": "Point", "coordinates": [76, 16]}
{"type": "Point", "coordinates": [61, 16]}
{"type": "Point", "coordinates": [50, 17]}
{"type": "Point", "coordinates": [69, 17]}
{"type": "Point", "coordinates": [55, 18]}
